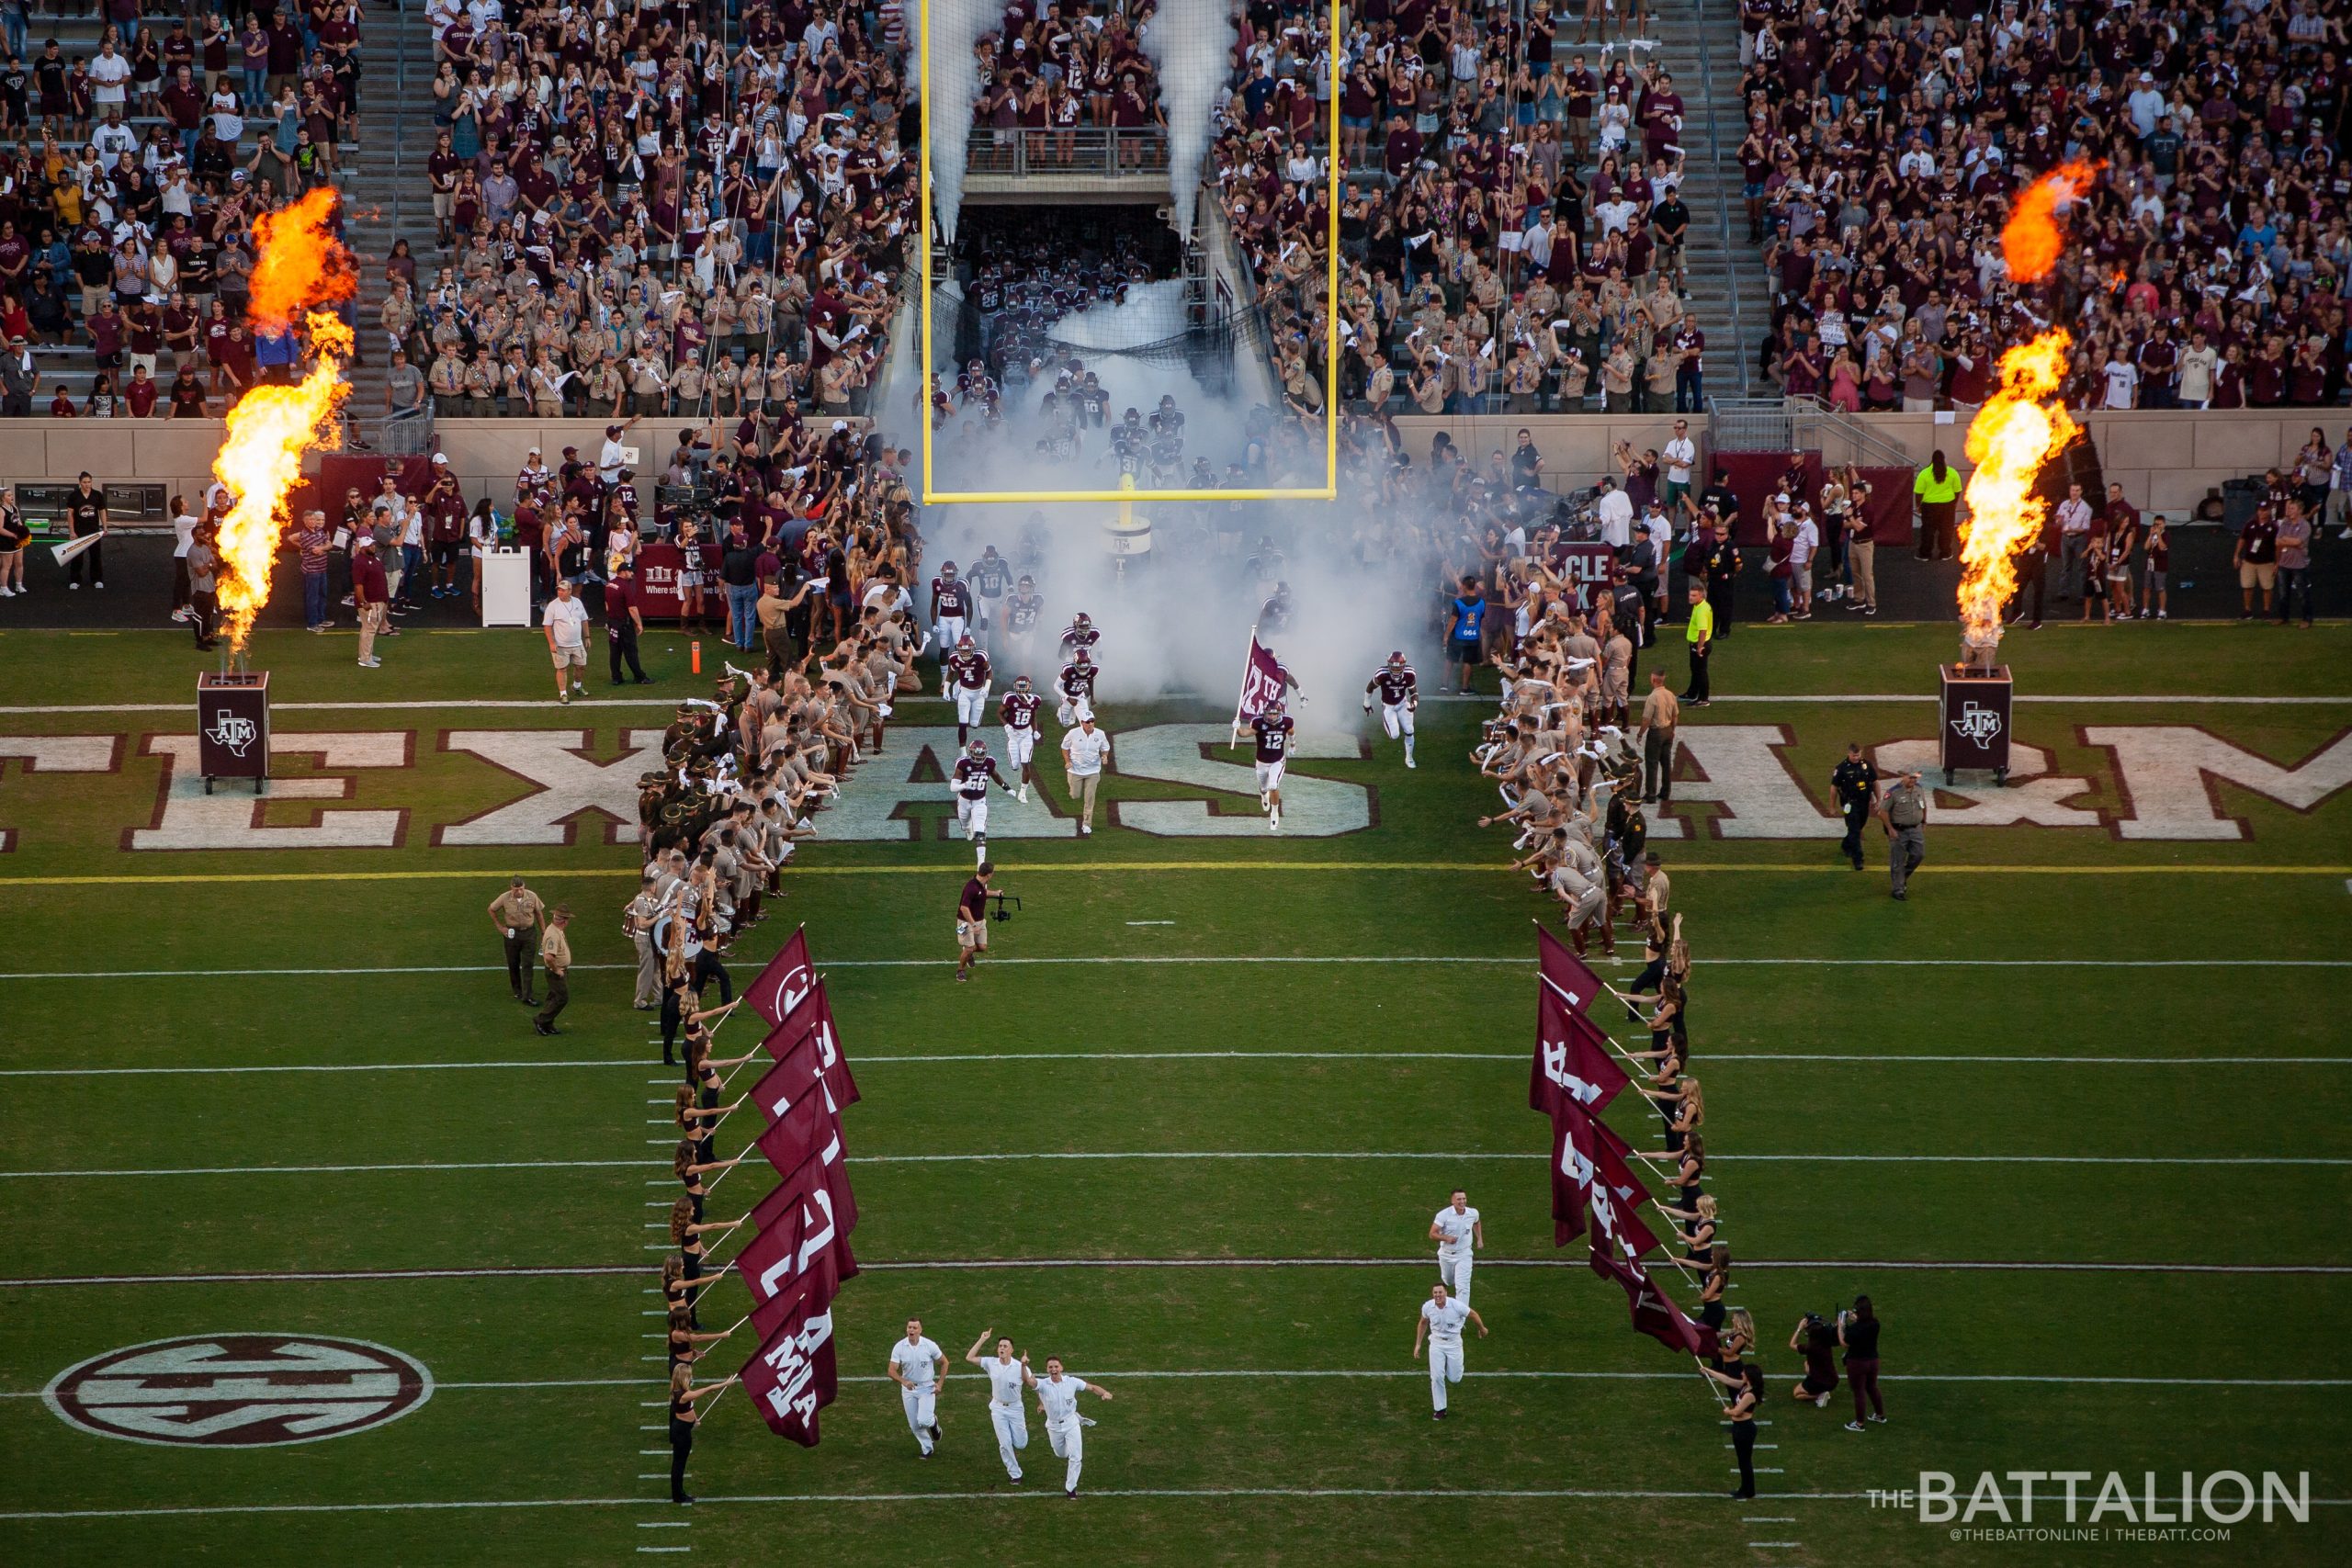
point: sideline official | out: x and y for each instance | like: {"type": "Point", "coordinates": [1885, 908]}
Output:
{"type": "Point", "coordinates": [517, 915]}
{"type": "Point", "coordinates": [1701, 631]}
{"type": "Point", "coordinates": [1904, 809]}
{"type": "Point", "coordinates": [1854, 784]}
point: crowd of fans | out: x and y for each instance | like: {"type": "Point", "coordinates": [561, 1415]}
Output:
{"type": "Point", "coordinates": [140, 164]}
{"type": "Point", "coordinates": [1887, 137]}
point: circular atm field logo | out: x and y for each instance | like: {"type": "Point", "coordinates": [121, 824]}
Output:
{"type": "Point", "coordinates": [239, 1390]}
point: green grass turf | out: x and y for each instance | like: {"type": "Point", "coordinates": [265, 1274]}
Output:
{"type": "Point", "coordinates": [1203, 1469]}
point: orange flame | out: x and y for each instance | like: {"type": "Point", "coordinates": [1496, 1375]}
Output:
{"type": "Point", "coordinates": [2033, 237]}
{"type": "Point", "coordinates": [301, 264]}
{"type": "Point", "coordinates": [2021, 426]}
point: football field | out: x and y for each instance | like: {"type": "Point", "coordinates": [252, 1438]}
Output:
{"type": "Point", "coordinates": [2073, 1115]}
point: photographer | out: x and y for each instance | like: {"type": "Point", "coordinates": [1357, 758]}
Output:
{"type": "Point", "coordinates": [1858, 1332]}
{"type": "Point", "coordinates": [972, 921]}
{"type": "Point", "coordinates": [1815, 1339]}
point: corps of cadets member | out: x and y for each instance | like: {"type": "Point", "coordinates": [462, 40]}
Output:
{"type": "Point", "coordinates": [1400, 697]}
{"type": "Point", "coordinates": [517, 914]}
{"type": "Point", "coordinates": [975, 771]}
{"type": "Point", "coordinates": [1019, 710]}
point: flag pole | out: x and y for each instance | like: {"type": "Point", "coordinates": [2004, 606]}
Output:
{"type": "Point", "coordinates": [1248, 664]}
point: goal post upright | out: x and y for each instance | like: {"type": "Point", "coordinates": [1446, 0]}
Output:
{"type": "Point", "coordinates": [1129, 494]}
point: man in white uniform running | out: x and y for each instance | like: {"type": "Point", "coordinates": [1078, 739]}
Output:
{"type": "Point", "coordinates": [1065, 1429]}
{"type": "Point", "coordinates": [916, 1366]}
{"type": "Point", "coordinates": [1458, 1235]}
{"type": "Point", "coordinates": [1442, 1319]}
{"type": "Point", "coordinates": [1005, 1377]}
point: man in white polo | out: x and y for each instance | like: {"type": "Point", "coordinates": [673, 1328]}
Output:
{"type": "Point", "coordinates": [1006, 1377]}
{"type": "Point", "coordinates": [567, 628]}
{"type": "Point", "coordinates": [1085, 751]}
{"type": "Point", "coordinates": [1442, 1319]}
{"type": "Point", "coordinates": [1065, 1428]}
{"type": "Point", "coordinates": [1458, 1235]}
{"type": "Point", "coordinates": [916, 1366]}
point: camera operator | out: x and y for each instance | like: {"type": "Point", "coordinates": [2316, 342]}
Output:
{"type": "Point", "coordinates": [972, 921]}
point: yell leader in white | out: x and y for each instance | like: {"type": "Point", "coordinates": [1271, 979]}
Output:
{"type": "Point", "coordinates": [1005, 1377]}
{"type": "Point", "coordinates": [916, 1366]}
{"type": "Point", "coordinates": [1065, 1429]}
{"type": "Point", "coordinates": [1459, 1235]}
{"type": "Point", "coordinates": [1441, 1320]}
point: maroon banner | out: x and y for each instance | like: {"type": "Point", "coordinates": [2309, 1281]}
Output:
{"type": "Point", "coordinates": [794, 1376]}
{"type": "Point", "coordinates": [812, 1019]}
{"type": "Point", "coordinates": [1567, 972]}
{"type": "Point", "coordinates": [657, 582]}
{"type": "Point", "coordinates": [1573, 1164]}
{"type": "Point", "coordinates": [788, 978]}
{"type": "Point", "coordinates": [1585, 565]}
{"type": "Point", "coordinates": [1572, 1060]}
{"type": "Point", "coordinates": [1261, 684]}
{"type": "Point", "coordinates": [799, 1108]}
{"type": "Point", "coordinates": [827, 1157]}
{"type": "Point", "coordinates": [1617, 1196]}
{"type": "Point", "coordinates": [802, 1242]}
{"type": "Point", "coordinates": [1653, 1311]}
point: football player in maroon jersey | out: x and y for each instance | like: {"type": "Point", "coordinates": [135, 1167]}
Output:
{"type": "Point", "coordinates": [1272, 729]}
{"type": "Point", "coordinates": [975, 771]}
{"type": "Point", "coordinates": [1400, 698]}
{"type": "Point", "coordinates": [967, 676]}
{"type": "Point", "coordinates": [1020, 713]}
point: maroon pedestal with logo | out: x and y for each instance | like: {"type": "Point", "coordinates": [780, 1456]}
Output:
{"type": "Point", "coordinates": [1972, 720]}
{"type": "Point", "coordinates": [232, 727]}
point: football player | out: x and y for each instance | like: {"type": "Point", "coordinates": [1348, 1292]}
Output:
{"type": "Point", "coordinates": [1019, 711]}
{"type": "Point", "coordinates": [968, 675]}
{"type": "Point", "coordinates": [1023, 610]}
{"type": "Point", "coordinates": [989, 577]}
{"type": "Point", "coordinates": [974, 771]}
{"type": "Point", "coordinates": [1272, 729]}
{"type": "Point", "coordinates": [1081, 636]}
{"type": "Point", "coordinates": [1400, 697]}
{"type": "Point", "coordinates": [951, 605]}
{"type": "Point", "coordinates": [1076, 684]}
{"type": "Point", "coordinates": [1274, 615]}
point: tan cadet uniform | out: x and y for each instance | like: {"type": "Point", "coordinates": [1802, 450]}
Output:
{"type": "Point", "coordinates": [639, 924]}
{"type": "Point", "coordinates": [519, 915]}
{"type": "Point", "coordinates": [555, 952]}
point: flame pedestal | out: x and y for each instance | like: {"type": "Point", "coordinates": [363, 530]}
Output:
{"type": "Point", "coordinates": [1972, 718]}
{"type": "Point", "coordinates": [232, 726]}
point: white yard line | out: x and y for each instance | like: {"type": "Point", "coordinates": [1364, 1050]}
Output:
{"type": "Point", "coordinates": [1115, 1156]}
{"type": "Point", "coordinates": [951, 1059]}
{"type": "Point", "coordinates": [1525, 962]}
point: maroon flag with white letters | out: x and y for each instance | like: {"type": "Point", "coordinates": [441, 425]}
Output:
{"type": "Point", "coordinates": [1566, 971]}
{"type": "Point", "coordinates": [788, 978]}
{"type": "Point", "coordinates": [812, 1017]}
{"type": "Point", "coordinates": [799, 1108]}
{"type": "Point", "coordinates": [1572, 1060]}
{"type": "Point", "coordinates": [1653, 1309]}
{"type": "Point", "coordinates": [801, 1242]}
{"type": "Point", "coordinates": [794, 1376]}
{"type": "Point", "coordinates": [1263, 680]}
{"type": "Point", "coordinates": [1616, 1195]}
{"type": "Point", "coordinates": [1574, 1160]}
{"type": "Point", "coordinates": [827, 1155]}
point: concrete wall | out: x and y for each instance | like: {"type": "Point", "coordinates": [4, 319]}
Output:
{"type": "Point", "coordinates": [2165, 461]}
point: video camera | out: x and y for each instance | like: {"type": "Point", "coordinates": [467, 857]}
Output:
{"type": "Point", "coordinates": [1001, 912]}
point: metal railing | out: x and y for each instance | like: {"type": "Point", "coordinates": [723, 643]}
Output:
{"type": "Point", "coordinates": [1799, 424]}
{"type": "Point", "coordinates": [1107, 151]}
{"type": "Point", "coordinates": [407, 433]}
{"type": "Point", "coordinates": [1752, 424]}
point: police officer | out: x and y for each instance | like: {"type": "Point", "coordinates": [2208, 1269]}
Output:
{"type": "Point", "coordinates": [1904, 809]}
{"type": "Point", "coordinates": [1854, 784]}
{"type": "Point", "coordinates": [517, 913]}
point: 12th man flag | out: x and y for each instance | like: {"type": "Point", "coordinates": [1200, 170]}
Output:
{"type": "Point", "coordinates": [793, 1376]}
{"type": "Point", "coordinates": [1572, 1061]}
{"type": "Point", "coordinates": [783, 982]}
{"type": "Point", "coordinates": [1263, 680]}
{"type": "Point", "coordinates": [1566, 971]}
{"type": "Point", "coordinates": [813, 1018]}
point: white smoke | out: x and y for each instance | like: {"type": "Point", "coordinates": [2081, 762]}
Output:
{"type": "Point", "coordinates": [954, 92]}
{"type": "Point", "coordinates": [1191, 42]}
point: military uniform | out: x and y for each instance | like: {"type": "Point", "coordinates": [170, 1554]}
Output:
{"type": "Point", "coordinates": [1854, 782]}
{"type": "Point", "coordinates": [1906, 822]}
{"type": "Point", "coordinates": [519, 913]}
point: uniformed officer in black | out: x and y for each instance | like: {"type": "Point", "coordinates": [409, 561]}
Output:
{"type": "Point", "coordinates": [1854, 782]}
{"type": "Point", "coordinates": [1722, 567]}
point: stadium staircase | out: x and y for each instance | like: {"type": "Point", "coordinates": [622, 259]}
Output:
{"type": "Point", "coordinates": [385, 191]}
{"type": "Point", "coordinates": [1698, 40]}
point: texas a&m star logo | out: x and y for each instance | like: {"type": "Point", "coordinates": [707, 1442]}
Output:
{"type": "Point", "coordinates": [232, 730]}
{"type": "Point", "coordinates": [1977, 724]}
{"type": "Point", "coordinates": [239, 1389]}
